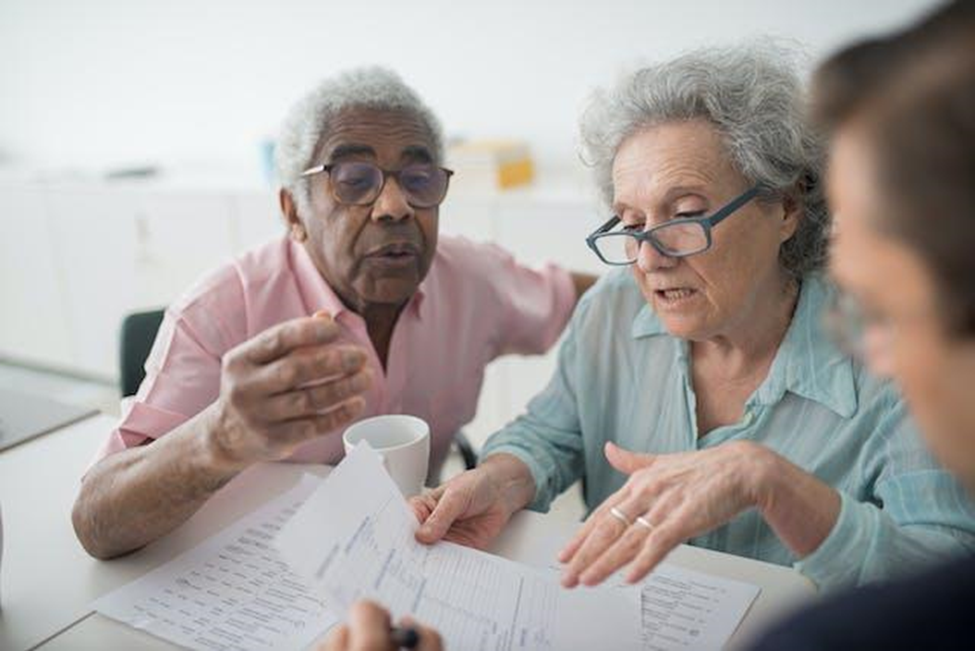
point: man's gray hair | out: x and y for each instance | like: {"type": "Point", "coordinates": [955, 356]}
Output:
{"type": "Point", "coordinates": [753, 96]}
{"type": "Point", "coordinates": [308, 121]}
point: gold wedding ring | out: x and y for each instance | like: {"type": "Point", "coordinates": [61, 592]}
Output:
{"type": "Point", "coordinates": [619, 515]}
{"type": "Point", "coordinates": [643, 522]}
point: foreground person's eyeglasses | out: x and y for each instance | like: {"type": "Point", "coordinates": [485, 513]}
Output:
{"type": "Point", "coordinates": [865, 337]}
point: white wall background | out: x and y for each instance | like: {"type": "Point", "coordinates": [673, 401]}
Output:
{"type": "Point", "coordinates": [108, 82]}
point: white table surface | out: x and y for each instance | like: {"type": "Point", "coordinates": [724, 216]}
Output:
{"type": "Point", "coordinates": [48, 581]}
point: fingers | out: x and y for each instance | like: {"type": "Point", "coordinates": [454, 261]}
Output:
{"type": "Point", "coordinates": [317, 399]}
{"type": "Point", "coordinates": [369, 626]}
{"type": "Point", "coordinates": [291, 433]}
{"type": "Point", "coordinates": [369, 630]}
{"type": "Point", "coordinates": [338, 639]}
{"type": "Point", "coordinates": [569, 551]}
{"type": "Point", "coordinates": [303, 366]}
{"type": "Point", "coordinates": [450, 506]}
{"type": "Point", "coordinates": [429, 638]}
{"type": "Point", "coordinates": [619, 553]}
{"type": "Point", "coordinates": [423, 506]}
{"type": "Point", "coordinates": [601, 536]}
{"type": "Point", "coordinates": [283, 338]}
{"type": "Point", "coordinates": [625, 461]}
{"type": "Point", "coordinates": [661, 540]}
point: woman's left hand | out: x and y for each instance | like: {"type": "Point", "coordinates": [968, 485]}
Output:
{"type": "Point", "coordinates": [667, 499]}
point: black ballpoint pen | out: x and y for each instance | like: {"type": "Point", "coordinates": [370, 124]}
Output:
{"type": "Point", "coordinates": [404, 637]}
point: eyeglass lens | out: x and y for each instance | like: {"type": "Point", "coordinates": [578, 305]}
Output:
{"type": "Point", "coordinates": [360, 183]}
{"type": "Point", "coordinates": [673, 239]}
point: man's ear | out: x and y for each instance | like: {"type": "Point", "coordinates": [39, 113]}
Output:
{"type": "Point", "coordinates": [289, 210]}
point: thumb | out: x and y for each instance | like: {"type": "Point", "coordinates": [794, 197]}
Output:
{"type": "Point", "coordinates": [448, 509]}
{"type": "Point", "coordinates": [625, 461]}
{"type": "Point", "coordinates": [422, 506]}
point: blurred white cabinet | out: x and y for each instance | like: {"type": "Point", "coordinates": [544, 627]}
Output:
{"type": "Point", "coordinates": [75, 258]}
{"type": "Point", "coordinates": [536, 227]}
{"type": "Point", "coordinates": [32, 312]}
{"type": "Point", "coordinates": [123, 250]}
{"type": "Point", "coordinates": [256, 218]}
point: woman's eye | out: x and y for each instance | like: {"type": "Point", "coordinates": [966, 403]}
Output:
{"type": "Point", "coordinates": [632, 228]}
{"type": "Point", "coordinates": [689, 214]}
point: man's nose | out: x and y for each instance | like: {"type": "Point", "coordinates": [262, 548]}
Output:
{"type": "Point", "coordinates": [391, 204]}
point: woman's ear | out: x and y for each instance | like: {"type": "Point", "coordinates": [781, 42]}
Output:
{"type": "Point", "coordinates": [289, 210]}
{"type": "Point", "coordinates": [792, 208]}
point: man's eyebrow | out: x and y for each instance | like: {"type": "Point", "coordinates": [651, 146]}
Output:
{"type": "Point", "coordinates": [418, 153]}
{"type": "Point", "coordinates": [348, 151]}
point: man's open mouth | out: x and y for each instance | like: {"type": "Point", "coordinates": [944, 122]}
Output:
{"type": "Point", "coordinates": [395, 250]}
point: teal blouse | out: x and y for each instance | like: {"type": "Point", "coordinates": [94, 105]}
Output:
{"type": "Point", "coordinates": [621, 377]}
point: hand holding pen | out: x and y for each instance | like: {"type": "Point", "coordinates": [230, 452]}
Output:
{"type": "Point", "coordinates": [370, 629]}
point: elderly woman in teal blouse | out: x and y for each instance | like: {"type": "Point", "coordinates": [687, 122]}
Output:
{"type": "Point", "coordinates": [697, 394]}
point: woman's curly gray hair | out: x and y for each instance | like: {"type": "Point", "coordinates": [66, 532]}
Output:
{"type": "Point", "coordinates": [307, 123]}
{"type": "Point", "coordinates": [753, 96]}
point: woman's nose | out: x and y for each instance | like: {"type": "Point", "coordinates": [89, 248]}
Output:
{"type": "Point", "coordinates": [648, 258]}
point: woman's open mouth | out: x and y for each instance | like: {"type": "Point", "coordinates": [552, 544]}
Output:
{"type": "Point", "coordinates": [675, 296]}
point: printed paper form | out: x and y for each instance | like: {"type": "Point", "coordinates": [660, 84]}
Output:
{"type": "Point", "coordinates": [354, 539]}
{"type": "Point", "coordinates": [682, 608]}
{"type": "Point", "coordinates": [233, 591]}
{"type": "Point", "coordinates": [685, 609]}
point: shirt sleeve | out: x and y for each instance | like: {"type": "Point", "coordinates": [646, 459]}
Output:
{"type": "Point", "coordinates": [917, 515]}
{"type": "Point", "coordinates": [548, 437]}
{"type": "Point", "coordinates": [536, 303]}
{"type": "Point", "coordinates": [182, 379]}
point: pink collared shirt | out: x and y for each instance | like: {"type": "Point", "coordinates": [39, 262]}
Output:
{"type": "Point", "coordinates": [475, 304]}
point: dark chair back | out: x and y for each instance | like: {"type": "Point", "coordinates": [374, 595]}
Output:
{"type": "Point", "coordinates": [138, 334]}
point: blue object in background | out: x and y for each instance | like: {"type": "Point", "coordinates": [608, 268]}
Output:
{"type": "Point", "coordinates": [267, 160]}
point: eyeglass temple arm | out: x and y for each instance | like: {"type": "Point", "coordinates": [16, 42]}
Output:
{"type": "Point", "coordinates": [742, 199]}
{"type": "Point", "coordinates": [613, 221]}
{"type": "Point", "coordinates": [591, 238]}
{"type": "Point", "coordinates": [318, 169]}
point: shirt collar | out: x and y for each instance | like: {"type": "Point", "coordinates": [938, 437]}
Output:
{"type": "Point", "coordinates": [318, 294]}
{"type": "Point", "coordinates": [807, 363]}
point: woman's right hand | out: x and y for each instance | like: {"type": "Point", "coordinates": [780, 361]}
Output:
{"type": "Point", "coordinates": [473, 507]}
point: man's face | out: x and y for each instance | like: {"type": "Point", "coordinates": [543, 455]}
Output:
{"type": "Point", "coordinates": [904, 335]}
{"type": "Point", "coordinates": [376, 254]}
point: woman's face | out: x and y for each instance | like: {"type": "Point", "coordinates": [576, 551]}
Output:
{"type": "Point", "coordinates": [681, 169]}
{"type": "Point", "coordinates": [897, 294]}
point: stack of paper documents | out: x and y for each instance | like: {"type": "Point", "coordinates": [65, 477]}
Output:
{"type": "Point", "coordinates": [282, 576]}
{"type": "Point", "coordinates": [354, 538]}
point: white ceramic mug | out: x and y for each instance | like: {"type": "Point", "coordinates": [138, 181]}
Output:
{"type": "Point", "coordinates": [402, 441]}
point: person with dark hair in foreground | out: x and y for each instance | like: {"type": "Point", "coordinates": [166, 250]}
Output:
{"type": "Point", "coordinates": [901, 115]}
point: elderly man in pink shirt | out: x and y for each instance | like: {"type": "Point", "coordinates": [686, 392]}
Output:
{"type": "Point", "coordinates": [362, 310]}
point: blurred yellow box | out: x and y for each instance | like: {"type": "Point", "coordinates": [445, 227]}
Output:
{"type": "Point", "coordinates": [491, 164]}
